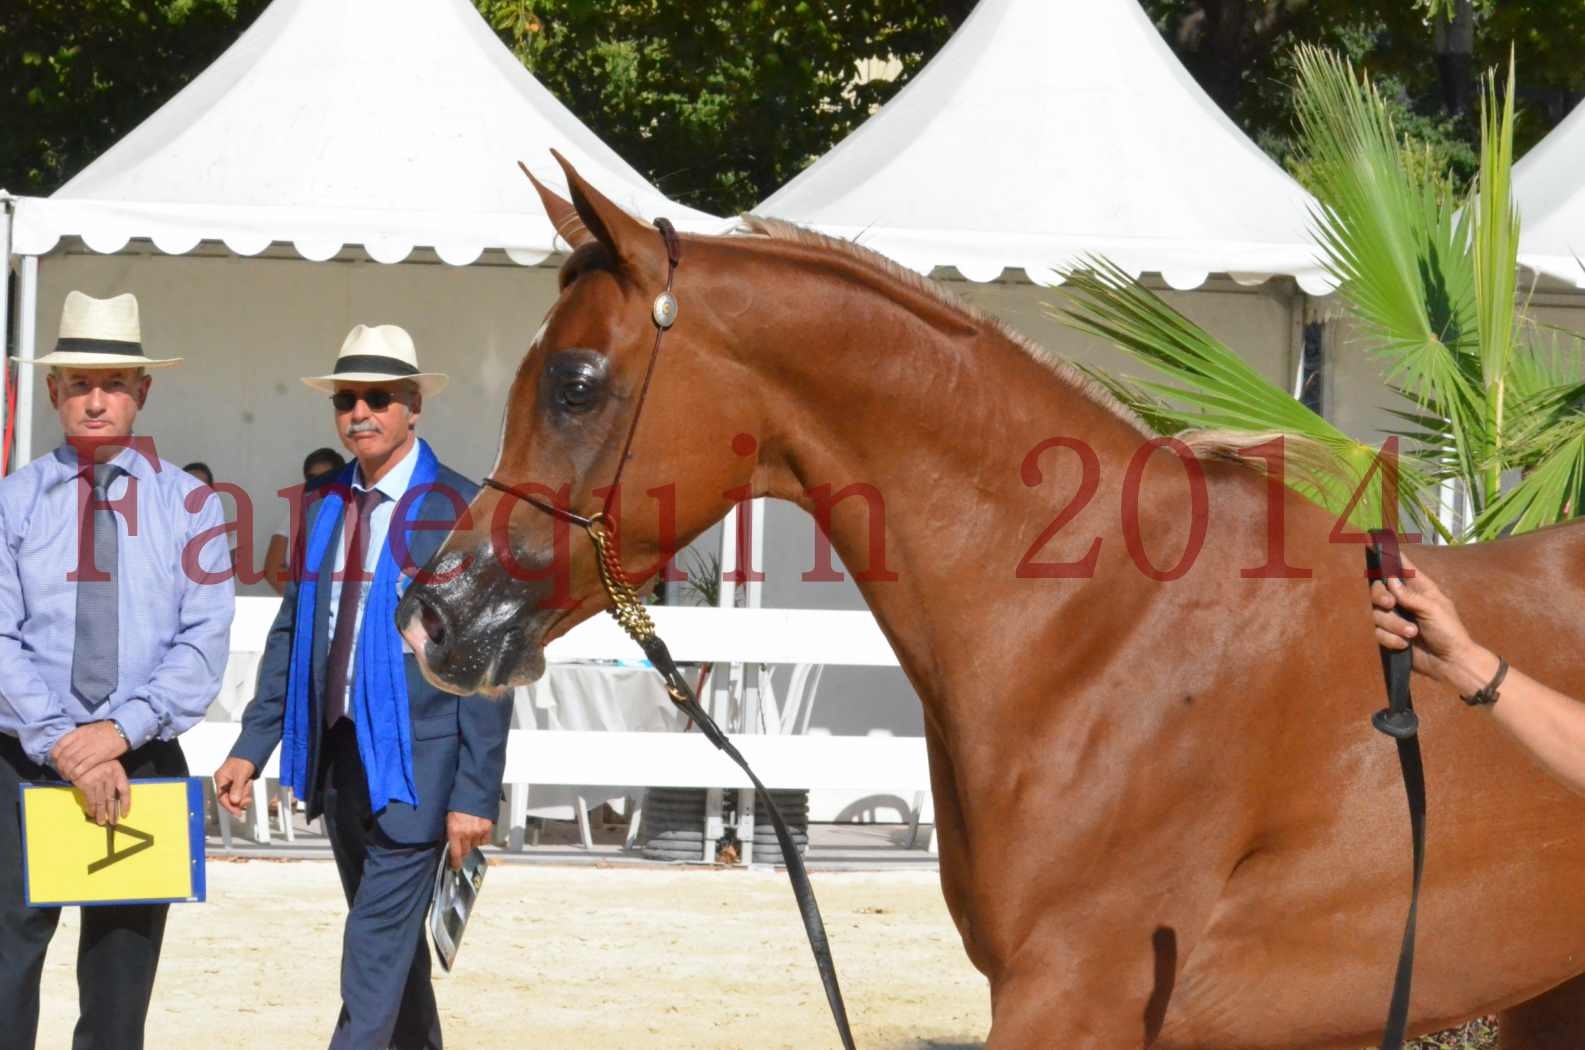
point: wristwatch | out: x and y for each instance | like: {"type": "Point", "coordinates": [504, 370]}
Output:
{"type": "Point", "coordinates": [122, 733]}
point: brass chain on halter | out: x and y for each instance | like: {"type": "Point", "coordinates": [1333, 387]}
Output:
{"type": "Point", "coordinates": [626, 605]}
{"type": "Point", "coordinates": [627, 608]}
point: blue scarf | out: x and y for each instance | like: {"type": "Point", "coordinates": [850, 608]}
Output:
{"type": "Point", "coordinates": [378, 700]}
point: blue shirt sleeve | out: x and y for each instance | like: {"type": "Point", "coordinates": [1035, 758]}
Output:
{"type": "Point", "coordinates": [40, 715]}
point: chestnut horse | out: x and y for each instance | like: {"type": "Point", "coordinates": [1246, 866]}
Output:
{"type": "Point", "coordinates": [1164, 819]}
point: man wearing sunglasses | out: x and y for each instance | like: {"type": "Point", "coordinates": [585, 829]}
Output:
{"type": "Point", "coordinates": [400, 770]}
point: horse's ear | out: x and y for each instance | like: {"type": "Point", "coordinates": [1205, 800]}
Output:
{"type": "Point", "coordinates": [634, 245]}
{"type": "Point", "coordinates": [563, 217]}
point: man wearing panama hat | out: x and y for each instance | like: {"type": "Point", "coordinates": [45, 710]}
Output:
{"type": "Point", "coordinates": [102, 664]}
{"type": "Point", "coordinates": [400, 770]}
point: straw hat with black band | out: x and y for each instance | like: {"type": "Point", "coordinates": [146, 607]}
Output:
{"type": "Point", "coordinates": [99, 333]}
{"type": "Point", "coordinates": [378, 354]}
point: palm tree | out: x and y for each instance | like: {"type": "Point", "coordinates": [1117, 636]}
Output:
{"type": "Point", "coordinates": [1429, 276]}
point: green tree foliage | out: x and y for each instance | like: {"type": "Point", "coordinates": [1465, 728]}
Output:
{"type": "Point", "coordinates": [75, 75]}
{"type": "Point", "coordinates": [1423, 66]}
{"type": "Point", "coordinates": [1546, 36]}
{"type": "Point", "coordinates": [720, 102]}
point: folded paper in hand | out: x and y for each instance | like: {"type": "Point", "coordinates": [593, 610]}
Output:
{"type": "Point", "coordinates": [455, 892]}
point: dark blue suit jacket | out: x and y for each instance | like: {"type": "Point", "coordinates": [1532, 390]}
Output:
{"type": "Point", "coordinates": [459, 743]}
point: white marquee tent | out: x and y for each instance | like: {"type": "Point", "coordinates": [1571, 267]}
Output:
{"type": "Point", "coordinates": [385, 124]}
{"type": "Point", "coordinates": [254, 215]}
{"type": "Point", "coordinates": [1551, 198]}
{"type": "Point", "coordinates": [1046, 130]}
{"type": "Point", "coordinates": [1049, 130]}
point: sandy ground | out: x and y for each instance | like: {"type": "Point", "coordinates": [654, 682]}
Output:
{"type": "Point", "coordinates": [641, 958]}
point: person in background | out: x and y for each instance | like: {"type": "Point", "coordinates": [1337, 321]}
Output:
{"type": "Point", "coordinates": [201, 471]}
{"type": "Point", "coordinates": [99, 674]}
{"type": "Point", "coordinates": [403, 772]}
{"type": "Point", "coordinates": [319, 464]}
{"type": "Point", "coordinates": [319, 468]}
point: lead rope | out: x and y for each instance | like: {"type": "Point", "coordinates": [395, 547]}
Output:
{"type": "Point", "coordinates": [1399, 721]}
{"type": "Point", "coordinates": [629, 611]}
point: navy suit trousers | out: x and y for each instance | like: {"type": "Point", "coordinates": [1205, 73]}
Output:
{"type": "Point", "coordinates": [387, 1000]}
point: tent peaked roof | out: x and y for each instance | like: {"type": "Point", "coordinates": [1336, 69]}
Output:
{"type": "Point", "coordinates": [1551, 199]}
{"type": "Point", "coordinates": [391, 124]}
{"type": "Point", "coordinates": [1046, 130]}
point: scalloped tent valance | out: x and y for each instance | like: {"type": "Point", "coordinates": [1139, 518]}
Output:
{"type": "Point", "coordinates": [1049, 130]}
{"type": "Point", "coordinates": [106, 227]}
{"type": "Point", "coordinates": [384, 124]}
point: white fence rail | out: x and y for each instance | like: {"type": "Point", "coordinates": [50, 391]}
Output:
{"type": "Point", "coordinates": [766, 636]}
{"type": "Point", "coordinates": [896, 765]}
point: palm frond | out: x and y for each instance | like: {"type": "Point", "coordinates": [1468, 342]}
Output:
{"type": "Point", "coordinates": [1396, 242]}
{"type": "Point", "coordinates": [1207, 386]}
{"type": "Point", "coordinates": [1548, 492]}
{"type": "Point", "coordinates": [1540, 422]}
{"type": "Point", "coordinates": [1496, 261]}
{"type": "Point", "coordinates": [1431, 277]}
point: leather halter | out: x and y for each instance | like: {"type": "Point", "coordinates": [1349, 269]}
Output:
{"type": "Point", "coordinates": [664, 314]}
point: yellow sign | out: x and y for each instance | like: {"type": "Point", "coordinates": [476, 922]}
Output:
{"type": "Point", "coordinates": [155, 854]}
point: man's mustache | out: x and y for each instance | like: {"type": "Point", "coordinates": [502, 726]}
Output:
{"type": "Point", "coordinates": [363, 426]}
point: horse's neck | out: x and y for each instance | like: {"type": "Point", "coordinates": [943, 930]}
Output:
{"type": "Point", "coordinates": [935, 413]}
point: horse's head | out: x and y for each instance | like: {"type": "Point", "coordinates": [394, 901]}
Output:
{"type": "Point", "coordinates": [515, 572]}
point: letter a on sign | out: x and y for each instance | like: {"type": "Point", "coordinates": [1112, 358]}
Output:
{"type": "Point", "coordinates": [156, 855]}
{"type": "Point", "coordinates": [114, 856]}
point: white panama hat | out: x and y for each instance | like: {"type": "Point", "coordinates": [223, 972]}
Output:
{"type": "Point", "coordinates": [99, 333]}
{"type": "Point", "coordinates": [378, 354]}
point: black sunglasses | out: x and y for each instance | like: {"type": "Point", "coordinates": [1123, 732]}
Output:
{"type": "Point", "coordinates": [347, 400]}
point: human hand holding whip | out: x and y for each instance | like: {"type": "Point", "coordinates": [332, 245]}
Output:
{"type": "Point", "coordinates": [1545, 722]}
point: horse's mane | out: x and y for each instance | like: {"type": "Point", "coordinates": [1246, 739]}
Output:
{"type": "Point", "coordinates": [1212, 444]}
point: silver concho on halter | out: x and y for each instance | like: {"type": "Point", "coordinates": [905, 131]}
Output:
{"type": "Point", "coordinates": [665, 310]}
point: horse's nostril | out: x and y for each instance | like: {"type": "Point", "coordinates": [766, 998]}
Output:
{"type": "Point", "coordinates": [434, 626]}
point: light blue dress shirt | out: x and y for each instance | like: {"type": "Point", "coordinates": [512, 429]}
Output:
{"type": "Point", "coordinates": [174, 622]}
{"type": "Point", "coordinates": [392, 487]}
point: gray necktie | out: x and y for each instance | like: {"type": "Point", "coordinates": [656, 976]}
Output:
{"type": "Point", "coordinates": [96, 649]}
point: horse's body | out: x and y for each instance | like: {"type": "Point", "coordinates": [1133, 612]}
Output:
{"type": "Point", "coordinates": [1163, 817]}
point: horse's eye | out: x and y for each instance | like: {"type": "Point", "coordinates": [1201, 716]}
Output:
{"type": "Point", "coordinates": [574, 383]}
{"type": "Point", "coordinates": [576, 393]}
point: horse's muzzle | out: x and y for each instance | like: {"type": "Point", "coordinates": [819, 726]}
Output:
{"type": "Point", "coordinates": [470, 650]}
